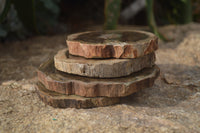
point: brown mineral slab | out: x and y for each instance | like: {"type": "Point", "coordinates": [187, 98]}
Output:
{"type": "Point", "coordinates": [112, 44]}
{"type": "Point", "coordinates": [93, 87]}
{"type": "Point", "coordinates": [58, 100]}
{"type": "Point", "coordinates": [101, 68]}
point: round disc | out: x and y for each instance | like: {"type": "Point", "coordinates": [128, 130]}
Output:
{"type": "Point", "coordinates": [58, 100]}
{"type": "Point", "coordinates": [112, 44]}
{"type": "Point", "coordinates": [93, 87]}
{"type": "Point", "coordinates": [101, 68]}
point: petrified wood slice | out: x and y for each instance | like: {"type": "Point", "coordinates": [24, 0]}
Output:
{"type": "Point", "coordinates": [92, 87]}
{"type": "Point", "coordinates": [112, 44]}
{"type": "Point", "coordinates": [58, 100]}
{"type": "Point", "coordinates": [104, 68]}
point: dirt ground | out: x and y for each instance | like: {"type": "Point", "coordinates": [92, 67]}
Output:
{"type": "Point", "coordinates": [171, 105]}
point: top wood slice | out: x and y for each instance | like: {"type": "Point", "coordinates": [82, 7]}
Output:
{"type": "Point", "coordinates": [112, 44]}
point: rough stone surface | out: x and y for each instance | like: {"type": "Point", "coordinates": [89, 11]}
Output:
{"type": "Point", "coordinates": [58, 100]}
{"type": "Point", "coordinates": [94, 87]}
{"type": "Point", "coordinates": [163, 108]}
{"type": "Point", "coordinates": [104, 68]}
{"type": "Point", "coordinates": [113, 44]}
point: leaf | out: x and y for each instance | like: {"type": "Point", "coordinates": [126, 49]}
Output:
{"type": "Point", "coordinates": [176, 11]}
{"type": "Point", "coordinates": [5, 10]}
{"type": "Point", "coordinates": [3, 33]}
{"type": "Point", "coordinates": [45, 16]}
{"type": "Point", "coordinates": [51, 6]}
{"type": "Point", "coordinates": [112, 10]}
{"type": "Point", "coordinates": [26, 13]}
{"type": "Point", "coordinates": [151, 19]}
{"type": "Point", "coordinates": [187, 11]}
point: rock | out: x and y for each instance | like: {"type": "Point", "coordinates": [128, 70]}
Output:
{"type": "Point", "coordinates": [29, 87]}
{"type": "Point", "coordinates": [163, 108]}
{"type": "Point", "coordinates": [171, 79]}
{"type": "Point", "coordinates": [112, 44]}
{"type": "Point", "coordinates": [58, 100]}
{"type": "Point", "coordinates": [10, 82]}
{"type": "Point", "coordinates": [104, 68]}
{"type": "Point", "coordinates": [93, 87]}
{"type": "Point", "coordinates": [189, 49]}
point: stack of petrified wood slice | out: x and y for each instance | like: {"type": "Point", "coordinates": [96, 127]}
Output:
{"type": "Point", "coordinates": [98, 69]}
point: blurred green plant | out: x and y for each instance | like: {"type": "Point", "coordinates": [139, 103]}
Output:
{"type": "Point", "coordinates": [151, 18]}
{"type": "Point", "coordinates": [173, 12]}
{"type": "Point", "coordinates": [20, 16]}
{"type": "Point", "coordinates": [47, 12]}
{"type": "Point", "coordinates": [12, 26]}
{"type": "Point", "coordinates": [111, 11]}
{"type": "Point", "coordinates": [196, 10]}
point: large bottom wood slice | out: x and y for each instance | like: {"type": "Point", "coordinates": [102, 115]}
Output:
{"type": "Point", "coordinates": [102, 68]}
{"type": "Point", "coordinates": [93, 87]}
{"type": "Point", "coordinates": [58, 100]}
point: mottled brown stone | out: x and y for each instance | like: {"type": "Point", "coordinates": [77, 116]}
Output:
{"type": "Point", "coordinates": [112, 44]}
{"type": "Point", "coordinates": [92, 87]}
{"type": "Point", "coordinates": [102, 68]}
{"type": "Point", "coordinates": [58, 100]}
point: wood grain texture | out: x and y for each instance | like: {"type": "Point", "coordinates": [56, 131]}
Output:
{"type": "Point", "coordinates": [102, 68]}
{"type": "Point", "coordinates": [112, 44]}
{"type": "Point", "coordinates": [93, 87]}
{"type": "Point", "coordinates": [58, 100]}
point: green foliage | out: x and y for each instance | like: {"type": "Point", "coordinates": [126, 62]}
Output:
{"type": "Point", "coordinates": [35, 16]}
{"type": "Point", "coordinates": [3, 32]}
{"type": "Point", "coordinates": [39, 16]}
{"type": "Point", "coordinates": [11, 26]}
{"type": "Point", "coordinates": [5, 10]}
{"type": "Point", "coordinates": [112, 11]}
{"type": "Point", "coordinates": [196, 10]}
{"type": "Point", "coordinates": [188, 11]}
{"type": "Point", "coordinates": [26, 13]}
{"type": "Point", "coordinates": [151, 18]}
{"type": "Point", "coordinates": [46, 14]}
{"type": "Point", "coordinates": [51, 5]}
{"type": "Point", "coordinates": [175, 11]}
